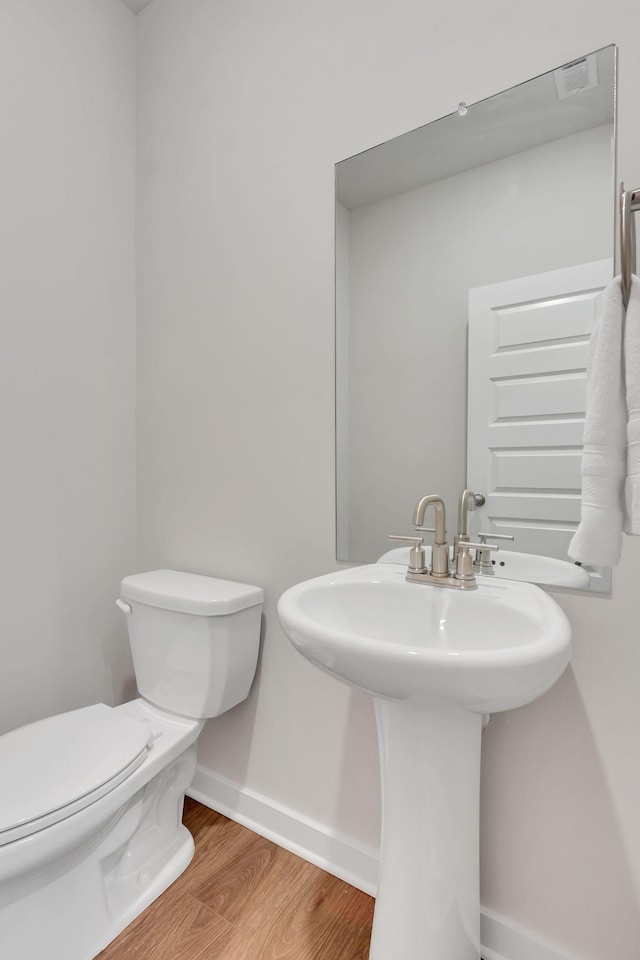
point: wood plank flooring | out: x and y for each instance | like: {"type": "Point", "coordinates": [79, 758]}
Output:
{"type": "Point", "coordinates": [245, 898]}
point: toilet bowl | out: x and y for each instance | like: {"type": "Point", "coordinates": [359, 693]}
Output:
{"type": "Point", "coordinates": [91, 805]}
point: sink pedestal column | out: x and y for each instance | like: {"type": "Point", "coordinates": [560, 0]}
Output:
{"type": "Point", "coordinates": [428, 903]}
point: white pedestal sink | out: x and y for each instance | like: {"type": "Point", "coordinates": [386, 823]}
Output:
{"type": "Point", "coordinates": [434, 659]}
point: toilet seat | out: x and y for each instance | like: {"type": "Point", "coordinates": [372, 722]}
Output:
{"type": "Point", "coordinates": [55, 767]}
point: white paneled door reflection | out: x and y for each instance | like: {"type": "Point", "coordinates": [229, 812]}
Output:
{"type": "Point", "coordinates": [528, 350]}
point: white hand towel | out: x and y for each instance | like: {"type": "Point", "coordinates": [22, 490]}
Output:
{"type": "Point", "coordinates": [632, 384]}
{"type": "Point", "coordinates": [598, 539]}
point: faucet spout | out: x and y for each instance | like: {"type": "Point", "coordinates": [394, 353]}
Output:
{"type": "Point", "coordinates": [421, 509]}
{"type": "Point", "coordinates": [440, 549]}
{"type": "Point", "coordinates": [467, 503]}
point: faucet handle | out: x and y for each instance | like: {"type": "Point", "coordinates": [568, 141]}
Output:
{"type": "Point", "coordinates": [465, 565]}
{"type": "Point", "coordinates": [495, 536]}
{"type": "Point", "coordinates": [417, 562]}
{"type": "Point", "coordinates": [426, 529]}
{"type": "Point", "coordinates": [482, 562]}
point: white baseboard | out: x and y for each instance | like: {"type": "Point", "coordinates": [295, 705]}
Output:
{"type": "Point", "coordinates": [504, 939]}
{"type": "Point", "coordinates": [352, 862]}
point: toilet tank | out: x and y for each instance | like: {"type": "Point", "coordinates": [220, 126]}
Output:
{"type": "Point", "coordinates": [194, 640]}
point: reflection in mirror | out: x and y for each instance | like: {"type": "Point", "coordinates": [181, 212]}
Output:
{"type": "Point", "coordinates": [470, 255]}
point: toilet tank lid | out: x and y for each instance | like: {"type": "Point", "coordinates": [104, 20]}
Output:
{"type": "Point", "coordinates": [190, 593]}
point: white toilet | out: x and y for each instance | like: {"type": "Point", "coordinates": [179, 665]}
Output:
{"type": "Point", "coordinates": [91, 801]}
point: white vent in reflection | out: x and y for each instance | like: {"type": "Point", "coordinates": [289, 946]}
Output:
{"type": "Point", "coordinates": [576, 76]}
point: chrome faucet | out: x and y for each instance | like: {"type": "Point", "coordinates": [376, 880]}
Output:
{"type": "Point", "coordinates": [463, 563]}
{"type": "Point", "coordinates": [440, 549]}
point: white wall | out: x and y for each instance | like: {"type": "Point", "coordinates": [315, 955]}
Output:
{"type": "Point", "coordinates": [244, 109]}
{"type": "Point", "coordinates": [413, 258]}
{"type": "Point", "coordinates": [67, 361]}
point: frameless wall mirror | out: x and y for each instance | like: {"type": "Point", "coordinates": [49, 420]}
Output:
{"type": "Point", "coordinates": [470, 258]}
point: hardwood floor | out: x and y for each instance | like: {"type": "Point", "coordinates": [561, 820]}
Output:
{"type": "Point", "coordinates": [245, 898]}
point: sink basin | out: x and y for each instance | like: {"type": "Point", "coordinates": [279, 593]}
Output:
{"type": "Point", "coordinates": [434, 659]}
{"type": "Point", "coordinates": [512, 565]}
{"type": "Point", "coordinates": [489, 649]}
